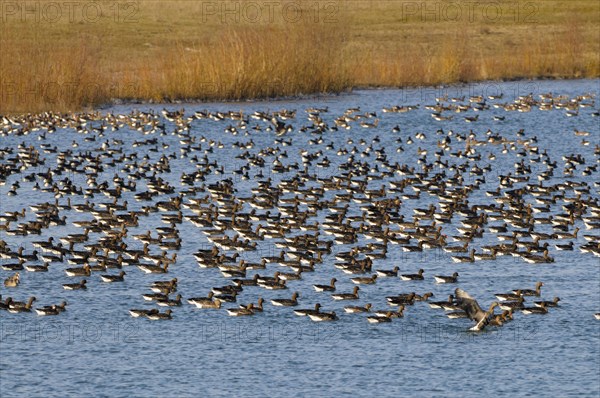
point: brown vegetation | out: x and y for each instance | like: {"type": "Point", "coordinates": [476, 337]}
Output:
{"type": "Point", "coordinates": [164, 51]}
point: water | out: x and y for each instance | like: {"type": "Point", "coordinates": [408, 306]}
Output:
{"type": "Point", "coordinates": [96, 348]}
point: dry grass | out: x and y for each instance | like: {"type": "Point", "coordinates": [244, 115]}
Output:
{"type": "Point", "coordinates": [176, 50]}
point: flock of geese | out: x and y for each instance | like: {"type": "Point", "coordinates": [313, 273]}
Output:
{"type": "Point", "coordinates": [326, 198]}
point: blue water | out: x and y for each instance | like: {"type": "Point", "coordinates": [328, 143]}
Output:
{"type": "Point", "coordinates": [96, 348]}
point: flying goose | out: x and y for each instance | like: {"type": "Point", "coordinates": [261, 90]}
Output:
{"type": "Point", "coordinates": [470, 306]}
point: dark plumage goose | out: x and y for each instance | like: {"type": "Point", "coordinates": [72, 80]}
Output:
{"type": "Point", "coordinates": [470, 306]}
{"type": "Point", "coordinates": [536, 310]}
{"type": "Point", "coordinates": [531, 292]}
{"type": "Point", "coordinates": [381, 319]}
{"type": "Point", "coordinates": [413, 277]}
{"type": "Point", "coordinates": [137, 313]}
{"type": "Point", "coordinates": [388, 273]}
{"type": "Point", "coordinates": [346, 296]}
{"type": "Point", "coordinates": [113, 278]}
{"type": "Point", "coordinates": [553, 303]}
{"type": "Point", "coordinates": [306, 312]}
{"type": "Point", "coordinates": [76, 286]}
{"type": "Point", "coordinates": [326, 288]}
{"type": "Point", "coordinates": [446, 279]}
{"type": "Point", "coordinates": [323, 316]}
{"type": "Point", "coordinates": [16, 307]}
{"type": "Point", "coordinates": [286, 302]}
{"type": "Point", "coordinates": [352, 309]}
{"type": "Point", "coordinates": [158, 316]}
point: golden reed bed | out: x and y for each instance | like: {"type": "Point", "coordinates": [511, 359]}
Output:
{"type": "Point", "coordinates": [68, 55]}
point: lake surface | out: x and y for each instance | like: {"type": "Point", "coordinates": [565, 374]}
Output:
{"type": "Point", "coordinates": [96, 348]}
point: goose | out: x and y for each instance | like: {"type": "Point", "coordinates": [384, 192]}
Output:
{"type": "Point", "coordinates": [535, 259]}
{"type": "Point", "coordinates": [13, 280]}
{"type": "Point", "coordinates": [245, 311]}
{"type": "Point", "coordinates": [259, 305]}
{"type": "Point", "coordinates": [346, 296]}
{"type": "Point", "coordinates": [206, 303]}
{"type": "Point", "coordinates": [553, 303]}
{"type": "Point", "coordinates": [413, 277]}
{"type": "Point", "coordinates": [531, 292]}
{"type": "Point", "coordinates": [512, 305]}
{"type": "Point", "coordinates": [364, 280]}
{"type": "Point", "coordinates": [164, 286]}
{"type": "Point", "coordinates": [51, 309]}
{"type": "Point", "coordinates": [306, 312]}
{"type": "Point", "coordinates": [37, 268]}
{"type": "Point", "coordinates": [137, 313]}
{"type": "Point", "coordinates": [80, 271]}
{"type": "Point", "coordinates": [388, 273]}
{"type": "Point", "coordinates": [323, 316]}
{"type": "Point", "coordinates": [14, 266]}
{"type": "Point", "coordinates": [157, 316]}
{"type": "Point", "coordinates": [395, 314]}
{"type": "Point", "coordinates": [465, 259]}
{"type": "Point", "coordinates": [286, 302]}
{"type": "Point", "coordinates": [166, 302]}
{"type": "Point", "coordinates": [154, 269]}
{"type": "Point", "coordinates": [113, 278]}
{"type": "Point", "coordinates": [357, 309]}
{"type": "Point", "coordinates": [326, 288]}
{"type": "Point", "coordinates": [446, 279]}
{"type": "Point", "coordinates": [515, 295]}
{"type": "Point", "coordinates": [470, 306]}
{"type": "Point", "coordinates": [16, 307]}
{"type": "Point", "coordinates": [381, 319]}
{"type": "Point", "coordinates": [403, 299]}
{"type": "Point", "coordinates": [75, 286]}
{"type": "Point", "coordinates": [597, 315]}
{"type": "Point", "coordinates": [536, 310]}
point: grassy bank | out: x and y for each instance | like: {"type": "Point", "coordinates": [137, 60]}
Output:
{"type": "Point", "coordinates": [64, 56]}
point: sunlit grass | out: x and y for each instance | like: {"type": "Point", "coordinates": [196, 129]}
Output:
{"type": "Point", "coordinates": [179, 50]}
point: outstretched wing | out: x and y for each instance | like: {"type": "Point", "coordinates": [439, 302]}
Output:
{"type": "Point", "coordinates": [469, 305]}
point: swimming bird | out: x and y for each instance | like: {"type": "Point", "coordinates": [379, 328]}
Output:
{"type": "Point", "coordinates": [306, 312]}
{"type": "Point", "coordinates": [326, 288]}
{"type": "Point", "coordinates": [158, 316]}
{"type": "Point", "coordinates": [113, 278]}
{"type": "Point", "coordinates": [286, 302]}
{"type": "Point", "coordinates": [76, 286]}
{"type": "Point", "coordinates": [323, 316]}
{"type": "Point", "coordinates": [446, 279]}
{"type": "Point", "coordinates": [536, 310]}
{"type": "Point", "coordinates": [413, 277]}
{"type": "Point", "coordinates": [347, 296]}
